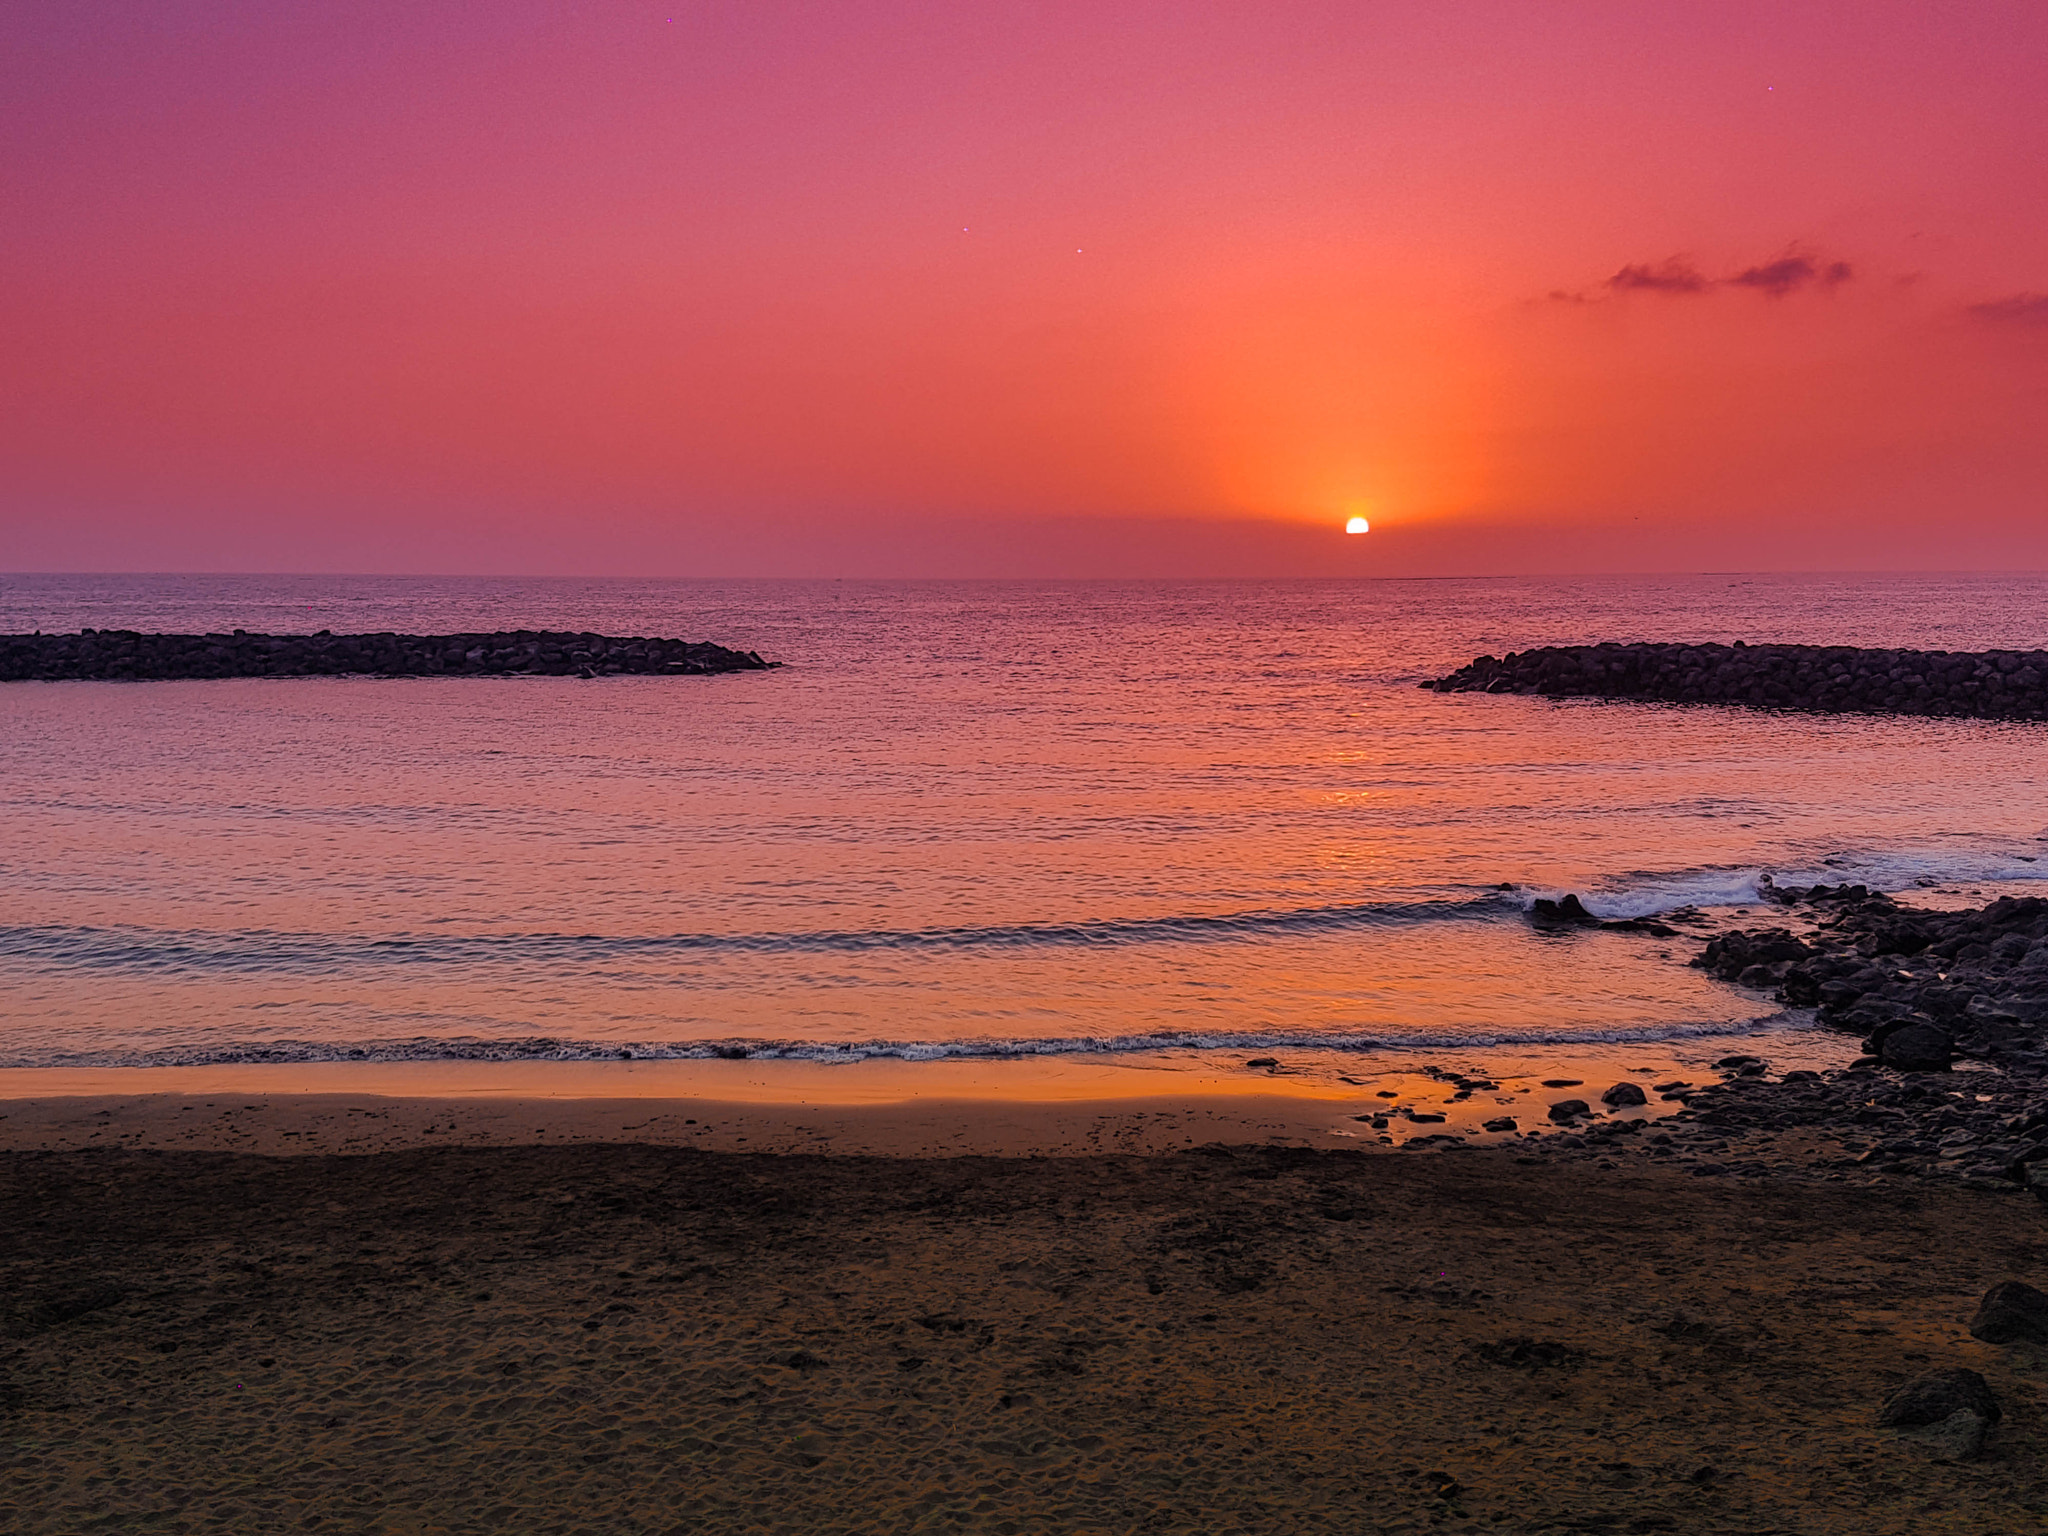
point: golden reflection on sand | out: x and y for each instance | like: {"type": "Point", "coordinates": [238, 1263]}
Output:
{"type": "Point", "coordinates": [1056, 1106]}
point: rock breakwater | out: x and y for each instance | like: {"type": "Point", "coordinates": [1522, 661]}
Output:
{"type": "Point", "coordinates": [125, 654]}
{"type": "Point", "coordinates": [1832, 679]}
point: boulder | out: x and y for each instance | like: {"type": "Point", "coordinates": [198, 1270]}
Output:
{"type": "Point", "coordinates": [1931, 1398]}
{"type": "Point", "coordinates": [1568, 912]}
{"type": "Point", "coordinates": [1959, 1437]}
{"type": "Point", "coordinates": [1731, 956]}
{"type": "Point", "coordinates": [1647, 925]}
{"type": "Point", "coordinates": [2011, 1312]}
{"type": "Point", "coordinates": [1569, 1109]}
{"type": "Point", "coordinates": [1915, 1046]}
{"type": "Point", "coordinates": [1624, 1096]}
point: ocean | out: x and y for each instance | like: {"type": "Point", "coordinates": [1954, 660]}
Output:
{"type": "Point", "coordinates": [993, 820]}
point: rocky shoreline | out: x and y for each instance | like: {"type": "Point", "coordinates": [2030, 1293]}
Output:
{"type": "Point", "coordinates": [1929, 992]}
{"type": "Point", "coordinates": [1829, 679]}
{"type": "Point", "coordinates": [125, 654]}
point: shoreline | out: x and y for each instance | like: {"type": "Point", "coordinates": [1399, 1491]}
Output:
{"type": "Point", "coordinates": [1775, 1101]}
{"type": "Point", "coordinates": [1034, 1106]}
{"type": "Point", "coordinates": [1742, 1128]}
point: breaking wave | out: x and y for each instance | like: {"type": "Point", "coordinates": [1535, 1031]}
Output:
{"type": "Point", "coordinates": [139, 951]}
{"type": "Point", "coordinates": [159, 951]}
{"type": "Point", "coordinates": [1650, 892]}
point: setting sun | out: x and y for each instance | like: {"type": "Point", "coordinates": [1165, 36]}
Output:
{"type": "Point", "coordinates": [1358, 525]}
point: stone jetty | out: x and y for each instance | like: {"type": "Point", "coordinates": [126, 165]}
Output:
{"type": "Point", "coordinates": [1835, 679]}
{"type": "Point", "coordinates": [124, 654]}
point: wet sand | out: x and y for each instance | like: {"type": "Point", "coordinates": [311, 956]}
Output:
{"type": "Point", "coordinates": [633, 1337]}
{"type": "Point", "coordinates": [1032, 1106]}
{"type": "Point", "coordinates": [298, 1124]}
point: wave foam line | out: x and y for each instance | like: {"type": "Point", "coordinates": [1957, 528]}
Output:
{"type": "Point", "coordinates": [160, 952]}
{"type": "Point", "coordinates": [1648, 893]}
{"type": "Point", "coordinates": [157, 951]}
{"type": "Point", "coordinates": [546, 1049]}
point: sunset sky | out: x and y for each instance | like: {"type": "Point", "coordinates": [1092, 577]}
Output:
{"type": "Point", "coordinates": [991, 289]}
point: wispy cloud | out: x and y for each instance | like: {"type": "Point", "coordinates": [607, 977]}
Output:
{"type": "Point", "coordinates": [1792, 272]}
{"type": "Point", "coordinates": [2014, 309]}
{"type": "Point", "coordinates": [1680, 277]}
{"type": "Point", "coordinates": [1675, 276]}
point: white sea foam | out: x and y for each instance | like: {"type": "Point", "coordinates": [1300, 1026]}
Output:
{"type": "Point", "coordinates": [150, 951]}
{"type": "Point", "coordinates": [1894, 871]}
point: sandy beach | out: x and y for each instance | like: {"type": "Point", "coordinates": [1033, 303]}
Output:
{"type": "Point", "coordinates": [1046, 1106]}
{"type": "Point", "coordinates": [617, 1335]}
{"type": "Point", "coordinates": [286, 1124]}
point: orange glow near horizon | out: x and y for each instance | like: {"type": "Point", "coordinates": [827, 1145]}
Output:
{"type": "Point", "coordinates": [842, 289]}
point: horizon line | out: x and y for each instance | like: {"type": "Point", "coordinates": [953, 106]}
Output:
{"type": "Point", "coordinates": [1633, 575]}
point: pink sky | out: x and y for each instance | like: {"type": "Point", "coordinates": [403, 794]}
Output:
{"type": "Point", "coordinates": [1047, 289]}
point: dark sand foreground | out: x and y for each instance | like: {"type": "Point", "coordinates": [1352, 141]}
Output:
{"type": "Point", "coordinates": [632, 1338]}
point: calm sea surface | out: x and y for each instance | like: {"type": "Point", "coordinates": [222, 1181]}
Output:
{"type": "Point", "coordinates": [964, 819]}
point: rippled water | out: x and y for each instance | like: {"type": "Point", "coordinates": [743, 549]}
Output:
{"type": "Point", "coordinates": [965, 817]}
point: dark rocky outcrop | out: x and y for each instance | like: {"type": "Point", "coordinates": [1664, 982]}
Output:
{"type": "Point", "coordinates": [1569, 912]}
{"type": "Point", "coordinates": [1925, 990]}
{"type": "Point", "coordinates": [2012, 1312]}
{"type": "Point", "coordinates": [1920, 986]}
{"type": "Point", "coordinates": [1913, 1045]}
{"type": "Point", "coordinates": [124, 654]}
{"type": "Point", "coordinates": [1933, 1397]}
{"type": "Point", "coordinates": [1988, 1132]}
{"type": "Point", "coordinates": [1834, 679]}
